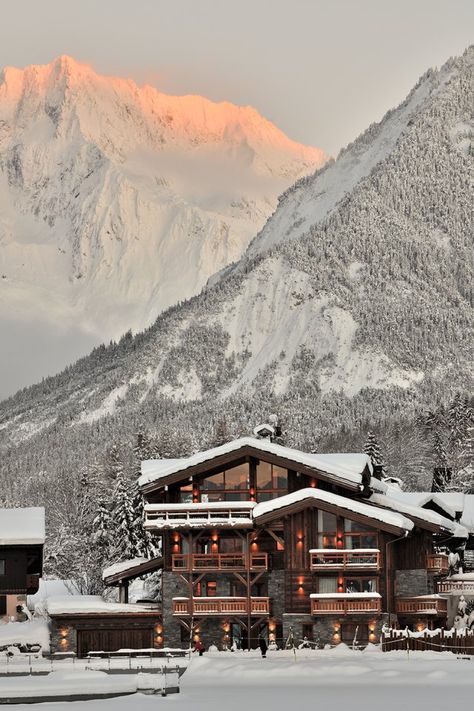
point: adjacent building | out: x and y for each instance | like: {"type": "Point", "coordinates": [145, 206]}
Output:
{"type": "Point", "coordinates": [22, 535]}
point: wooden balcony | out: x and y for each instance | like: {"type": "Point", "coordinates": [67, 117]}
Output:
{"type": "Point", "coordinates": [345, 559]}
{"type": "Point", "coordinates": [215, 606]}
{"type": "Point", "coordinates": [422, 605]}
{"type": "Point", "coordinates": [227, 514]}
{"type": "Point", "coordinates": [456, 586]}
{"type": "Point", "coordinates": [346, 604]}
{"type": "Point", "coordinates": [437, 563]}
{"type": "Point", "coordinates": [219, 562]}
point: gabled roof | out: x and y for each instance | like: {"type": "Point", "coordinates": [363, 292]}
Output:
{"type": "Point", "coordinates": [326, 500]}
{"type": "Point", "coordinates": [424, 518]}
{"type": "Point", "coordinates": [454, 504]}
{"type": "Point", "coordinates": [130, 569]}
{"type": "Point", "coordinates": [21, 527]}
{"type": "Point", "coordinates": [349, 470]}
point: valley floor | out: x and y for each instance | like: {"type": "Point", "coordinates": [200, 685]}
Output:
{"type": "Point", "coordinates": [340, 680]}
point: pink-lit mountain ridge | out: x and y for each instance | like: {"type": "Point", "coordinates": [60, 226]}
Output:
{"type": "Point", "coordinates": [118, 201]}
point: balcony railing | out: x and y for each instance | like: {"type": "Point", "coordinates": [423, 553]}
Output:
{"type": "Point", "coordinates": [345, 603]}
{"type": "Point", "coordinates": [221, 606]}
{"type": "Point", "coordinates": [460, 586]}
{"type": "Point", "coordinates": [219, 561]}
{"type": "Point", "coordinates": [230, 514]}
{"type": "Point", "coordinates": [437, 563]}
{"type": "Point", "coordinates": [423, 605]}
{"type": "Point", "coordinates": [338, 558]}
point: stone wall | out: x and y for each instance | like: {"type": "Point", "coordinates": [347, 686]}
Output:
{"type": "Point", "coordinates": [410, 583]}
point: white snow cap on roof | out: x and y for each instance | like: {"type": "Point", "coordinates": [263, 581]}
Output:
{"type": "Point", "coordinates": [22, 526]}
{"type": "Point", "coordinates": [452, 502]}
{"type": "Point", "coordinates": [345, 467]}
{"type": "Point", "coordinates": [391, 518]}
{"type": "Point", "coordinates": [84, 604]}
{"type": "Point", "coordinates": [123, 565]}
{"type": "Point", "coordinates": [420, 513]}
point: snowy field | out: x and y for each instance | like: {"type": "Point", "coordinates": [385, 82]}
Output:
{"type": "Point", "coordinates": [340, 680]}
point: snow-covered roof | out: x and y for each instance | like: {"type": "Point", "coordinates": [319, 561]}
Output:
{"type": "Point", "coordinates": [345, 596]}
{"type": "Point", "coordinates": [22, 526]}
{"type": "Point", "coordinates": [419, 513]}
{"type": "Point", "coordinates": [90, 604]}
{"type": "Point", "coordinates": [391, 518]}
{"type": "Point", "coordinates": [123, 565]}
{"type": "Point", "coordinates": [49, 589]}
{"type": "Point", "coordinates": [344, 467]}
{"type": "Point", "coordinates": [453, 503]}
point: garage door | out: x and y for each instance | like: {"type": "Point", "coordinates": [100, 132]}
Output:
{"type": "Point", "coordinates": [110, 640]}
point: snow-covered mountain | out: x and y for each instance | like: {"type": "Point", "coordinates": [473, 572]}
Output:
{"type": "Point", "coordinates": [118, 201]}
{"type": "Point", "coordinates": [353, 305]}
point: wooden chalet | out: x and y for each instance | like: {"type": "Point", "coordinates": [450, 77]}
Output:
{"type": "Point", "coordinates": [22, 535]}
{"type": "Point", "coordinates": [261, 539]}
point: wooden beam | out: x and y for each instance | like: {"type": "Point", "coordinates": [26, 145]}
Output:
{"type": "Point", "coordinates": [275, 537]}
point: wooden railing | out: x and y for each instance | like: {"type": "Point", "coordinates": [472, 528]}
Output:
{"type": "Point", "coordinates": [425, 605]}
{"type": "Point", "coordinates": [461, 586]}
{"type": "Point", "coordinates": [219, 561]}
{"type": "Point", "coordinates": [221, 606]}
{"type": "Point", "coordinates": [437, 563]}
{"type": "Point", "coordinates": [345, 605]}
{"type": "Point", "coordinates": [232, 514]}
{"type": "Point", "coordinates": [366, 558]}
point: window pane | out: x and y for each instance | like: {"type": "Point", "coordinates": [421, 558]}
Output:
{"type": "Point", "coordinates": [327, 585]}
{"type": "Point", "coordinates": [351, 526]}
{"type": "Point", "coordinates": [237, 477]}
{"type": "Point", "coordinates": [236, 496]}
{"type": "Point", "coordinates": [327, 522]}
{"type": "Point", "coordinates": [212, 496]}
{"type": "Point", "coordinates": [360, 585]}
{"type": "Point", "coordinates": [264, 475]}
{"type": "Point", "coordinates": [230, 545]}
{"type": "Point", "coordinates": [280, 478]}
{"type": "Point", "coordinates": [214, 482]}
{"type": "Point", "coordinates": [2, 567]}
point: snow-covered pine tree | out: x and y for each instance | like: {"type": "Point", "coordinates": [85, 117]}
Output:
{"type": "Point", "coordinates": [142, 541]}
{"type": "Point", "coordinates": [372, 449]}
{"type": "Point", "coordinates": [122, 510]}
{"type": "Point", "coordinates": [441, 471]}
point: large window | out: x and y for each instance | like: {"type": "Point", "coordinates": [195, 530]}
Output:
{"type": "Point", "coordinates": [360, 585]}
{"type": "Point", "coordinates": [186, 494]}
{"type": "Point", "coordinates": [229, 485]}
{"type": "Point", "coordinates": [327, 530]}
{"type": "Point", "coordinates": [272, 481]}
{"type": "Point", "coordinates": [357, 535]}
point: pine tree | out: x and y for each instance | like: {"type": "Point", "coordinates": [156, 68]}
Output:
{"type": "Point", "coordinates": [122, 510]}
{"type": "Point", "coordinates": [441, 472]}
{"type": "Point", "coordinates": [372, 449]}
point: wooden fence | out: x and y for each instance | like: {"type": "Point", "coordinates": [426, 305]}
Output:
{"type": "Point", "coordinates": [441, 641]}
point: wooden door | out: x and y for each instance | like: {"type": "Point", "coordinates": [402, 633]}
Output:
{"type": "Point", "coordinates": [111, 640]}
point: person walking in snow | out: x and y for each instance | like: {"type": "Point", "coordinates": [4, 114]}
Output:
{"type": "Point", "coordinates": [263, 646]}
{"type": "Point", "coordinates": [199, 647]}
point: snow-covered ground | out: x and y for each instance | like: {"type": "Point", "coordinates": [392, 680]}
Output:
{"type": "Point", "coordinates": [338, 679]}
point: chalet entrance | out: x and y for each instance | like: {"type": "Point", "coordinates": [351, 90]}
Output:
{"type": "Point", "coordinates": [110, 640]}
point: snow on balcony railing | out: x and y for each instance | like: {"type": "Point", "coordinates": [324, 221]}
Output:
{"type": "Point", "coordinates": [456, 586]}
{"type": "Point", "coordinates": [340, 558]}
{"type": "Point", "coordinates": [229, 514]}
{"type": "Point", "coordinates": [219, 561]}
{"type": "Point", "coordinates": [345, 603]}
{"type": "Point", "coordinates": [437, 563]}
{"type": "Point", "coordinates": [221, 606]}
{"type": "Point", "coordinates": [422, 605]}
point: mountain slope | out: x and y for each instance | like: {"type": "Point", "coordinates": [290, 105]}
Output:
{"type": "Point", "coordinates": [366, 316]}
{"type": "Point", "coordinates": [117, 201]}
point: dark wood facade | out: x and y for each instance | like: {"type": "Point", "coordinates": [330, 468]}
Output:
{"type": "Point", "coordinates": [286, 537]}
{"type": "Point", "coordinates": [21, 567]}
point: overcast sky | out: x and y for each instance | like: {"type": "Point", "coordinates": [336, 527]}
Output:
{"type": "Point", "coordinates": [322, 70]}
